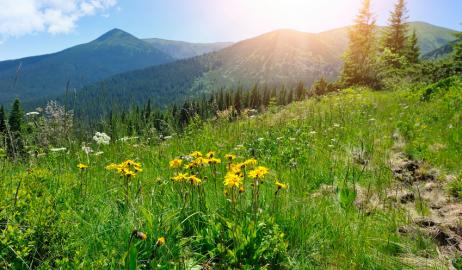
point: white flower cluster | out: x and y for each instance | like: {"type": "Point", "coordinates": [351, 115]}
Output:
{"type": "Point", "coordinates": [101, 138]}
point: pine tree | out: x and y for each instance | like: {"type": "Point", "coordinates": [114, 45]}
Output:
{"type": "Point", "coordinates": [255, 99]}
{"type": "Point", "coordinates": [458, 51]}
{"type": "Point", "coordinates": [15, 145]}
{"type": "Point", "coordinates": [413, 50]}
{"type": "Point", "coordinates": [300, 91]}
{"type": "Point", "coordinates": [237, 102]}
{"type": "Point", "coordinates": [2, 121]}
{"type": "Point", "coordinates": [395, 37]}
{"type": "Point", "coordinates": [358, 68]}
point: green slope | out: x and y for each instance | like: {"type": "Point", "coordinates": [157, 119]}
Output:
{"type": "Point", "coordinates": [320, 147]}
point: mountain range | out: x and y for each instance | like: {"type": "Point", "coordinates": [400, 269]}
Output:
{"type": "Point", "coordinates": [116, 51]}
{"type": "Point", "coordinates": [118, 68]}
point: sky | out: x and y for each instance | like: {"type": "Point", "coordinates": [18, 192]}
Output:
{"type": "Point", "coordinates": [33, 27]}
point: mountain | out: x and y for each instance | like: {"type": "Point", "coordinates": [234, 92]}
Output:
{"type": "Point", "coordinates": [275, 58]}
{"type": "Point", "coordinates": [49, 75]}
{"type": "Point", "coordinates": [183, 50]}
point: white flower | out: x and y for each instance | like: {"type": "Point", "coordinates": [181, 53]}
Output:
{"type": "Point", "coordinates": [313, 132]}
{"type": "Point", "coordinates": [98, 153]}
{"type": "Point", "coordinates": [58, 149]}
{"type": "Point", "coordinates": [87, 149]}
{"type": "Point", "coordinates": [336, 125]}
{"type": "Point", "coordinates": [32, 113]}
{"type": "Point", "coordinates": [101, 138]}
{"type": "Point", "coordinates": [260, 139]}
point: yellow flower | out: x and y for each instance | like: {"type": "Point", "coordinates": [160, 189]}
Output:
{"type": "Point", "coordinates": [189, 166]}
{"type": "Point", "coordinates": [180, 177]}
{"type": "Point", "coordinates": [176, 163]}
{"type": "Point", "coordinates": [230, 157]}
{"type": "Point", "coordinates": [210, 154]}
{"type": "Point", "coordinates": [259, 172]}
{"type": "Point", "coordinates": [82, 166]}
{"type": "Point", "coordinates": [128, 173]}
{"type": "Point", "coordinates": [232, 180]}
{"type": "Point", "coordinates": [194, 180]}
{"type": "Point", "coordinates": [280, 185]}
{"type": "Point", "coordinates": [160, 241]}
{"type": "Point", "coordinates": [234, 168]}
{"type": "Point", "coordinates": [214, 161]}
{"type": "Point", "coordinates": [196, 154]}
{"type": "Point", "coordinates": [250, 162]}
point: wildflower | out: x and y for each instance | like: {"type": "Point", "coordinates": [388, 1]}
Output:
{"type": "Point", "coordinates": [250, 162]}
{"type": "Point", "coordinates": [189, 166]}
{"type": "Point", "coordinates": [235, 168]}
{"type": "Point", "coordinates": [32, 113]}
{"type": "Point", "coordinates": [214, 161]}
{"type": "Point", "coordinates": [259, 172]}
{"type": "Point", "coordinates": [230, 157]}
{"type": "Point", "coordinates": [98, 153]}
{"type": "Point", "coordinates": [241, 189]}
{"type": "Point", "coordinates": [194, 180]}
{"type": "Point", "coordinates": [210, 154]}
{"type": "Point", "coordinates": [280, 185]}
{"type": "Point", "coordinates": [139, 235]}
{"type": "Point", "coordinates": [58, 149]}
{"type": "Point", "coordinates": [160, 241]}
{"type": "Point", "coordinates": [128, 173]}
{"type": "Point", "coordinates": [101, 138]}
{"type": "Point", "coordinates": [176, 163]}
{"type": "Point", "coordinates": [196, 154]}
{"type": "Point", "coordinates": [232, 180]}
{"type": "Point", "coordinates": [180, 177]}
{"type": "Point", "coordinates": [82, 166]}
{"type": "Point", "coordinates": [87, 149]}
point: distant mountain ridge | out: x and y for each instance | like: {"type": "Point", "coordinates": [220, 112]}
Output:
{"type": "Point", "coordinates": [275, 58]}
{"type": "Point", "coordinates": [183, 50]}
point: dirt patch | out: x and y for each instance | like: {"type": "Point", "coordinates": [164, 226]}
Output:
{"type": "Point", "coordinates": [420, 190]}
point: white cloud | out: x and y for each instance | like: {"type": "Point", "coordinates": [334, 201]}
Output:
{"type": "Point", "coordinates": [21, 17]}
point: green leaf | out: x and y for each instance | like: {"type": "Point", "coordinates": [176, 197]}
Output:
{"type": "Point", "coordinates": [131, 261]}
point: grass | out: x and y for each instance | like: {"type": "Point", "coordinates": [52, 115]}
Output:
{"type": "Point", "coordinates": [340, 139]}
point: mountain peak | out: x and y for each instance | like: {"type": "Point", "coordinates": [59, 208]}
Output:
{"type": "Point", "coordinates": [115, 33]}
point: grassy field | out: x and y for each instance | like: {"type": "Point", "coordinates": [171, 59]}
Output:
{"type": "Point", "coordinates": [55, 215]}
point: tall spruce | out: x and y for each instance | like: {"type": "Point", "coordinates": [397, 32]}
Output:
{"type": "Point", "coordinates": [458, 51]}
{"type": "Point", "coordinates": [395, 38]}
{"type": "Point", "coordinates": [358, 68]}
{"type": "Point", "coordinates": [413, 50]}
{"type": "Point", "coordinates": [15, 145]}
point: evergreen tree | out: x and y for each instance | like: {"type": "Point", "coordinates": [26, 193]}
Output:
{"type": "Point", "coordinates": [255, 99]}
{"type": "Point", "coordinates": [15, 145]}
{"type": "Point", "coordinates": [2, 121]}
{"type": "Point", "coordinates": [300, 91]}
{"type": "Point", "coordinates": [395, 37]}
{"type": "Point", "coordinates": [458, 51]}
{"type": "Point", "coordinates": [358, 68]}
{"type": "Point", "coordinates": [413, 50]}
{"type": "Point", "coordinates": [320, 87]}
{"type": "Point", "coordinates": [237, 101]}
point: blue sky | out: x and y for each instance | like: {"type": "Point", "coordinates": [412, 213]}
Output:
{"type": "Point", "coordinates": [32, 27]}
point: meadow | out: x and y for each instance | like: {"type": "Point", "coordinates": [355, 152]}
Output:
{"type": "Point", "coordinates": [280, 190]}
